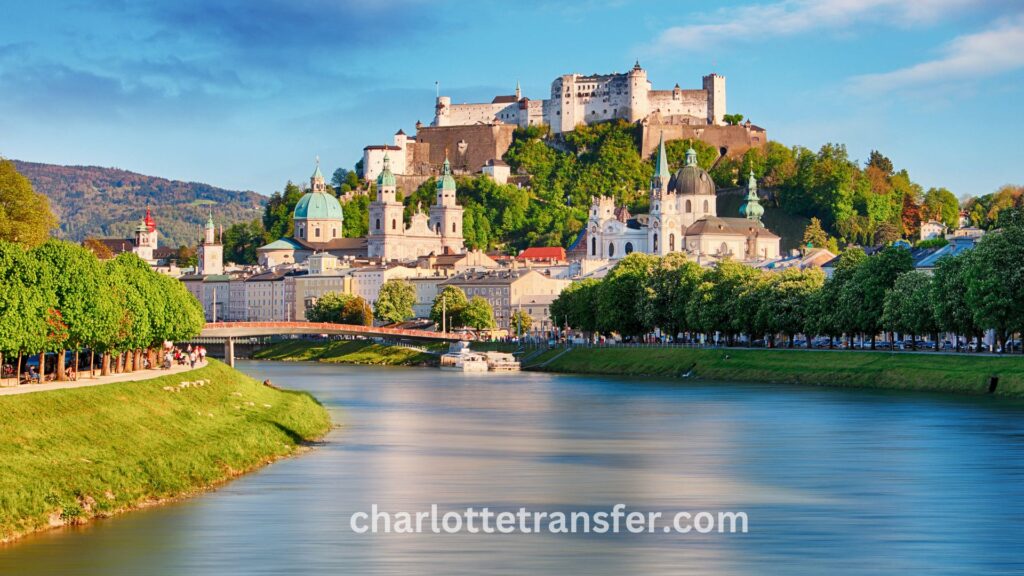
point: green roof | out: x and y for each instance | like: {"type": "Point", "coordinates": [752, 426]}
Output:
{"type": "Point", "coordinates": [282, 244]}
{"type": "Point", "coordinates": [318, 206]}
{"type": "Point", "coordinates": [386, 177]}
{"type": "Point", "coordinates": [316, 173]}
{"type": "Point", "coordinates": [446, 182]}
{"type": "Point", "coordinates": [661, 167]}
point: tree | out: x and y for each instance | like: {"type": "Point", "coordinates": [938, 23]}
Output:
{"type": "Point", "coordinates": [787, 304]}
{"type": "Point", "coordinates": [395, 301]}
{"type": "Point", "coordinates": [830, 314]}
{"type": "Point", "coordinates": [98, 248]}
{"type": "Point", "coordinates": [520, 323]}
{"type": "Point", "coordinates": [447, 310]}
{"type": "Point", "coordinates": [995, 278]}
{"type": "Point", "coordinates": [814, 235]}
{"type": "Point", "coordinates": [23, 303]}
{"type": "Point", "coordinates": [187, 257]}
{"type": "Point", "coordinates": [478, 314]}
{"type": "Point", "coordinates": [712, 308]}
{"type": "Point", "coordinates": [620, 304]}
{"type": "Point", "coordinates": [908, 306]}
{"type": "Point", "coordinates": [863, 296]}
{"type": "Point", "coordinates": [25, 215]}
{"type": "Point", "coordinates": [668, 290]}
{"type": "Point", "coordinates": [241, 241]}
{"type": "Point", "coordinates": [329, 307]}
{"type": "Point", "coordinates": [357, 311]}
{"type": "Point", "coordinates": [940, 204]}
{"type": "Point", "coordinates": [886, 233]}
{"type": "Point", "coordinates": [357, 216]}
{"type": "Point", "coordinates": [277, 215]}
{"type": "Point", "coordinates": [732, 119]}
{"type": "Point", "coordinates": [879, 161]}
{"type": "Point", "coordinates": [574, 307]}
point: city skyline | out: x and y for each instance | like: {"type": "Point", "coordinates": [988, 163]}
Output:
{"type": "Point", "coordinates": [243, 95]}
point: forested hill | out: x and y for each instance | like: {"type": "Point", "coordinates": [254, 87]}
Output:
{"type": "Point", "coordinates": [109, 202]}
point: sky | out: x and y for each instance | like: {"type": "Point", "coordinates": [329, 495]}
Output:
{"type": "Point", "coordinates": [244, 94]}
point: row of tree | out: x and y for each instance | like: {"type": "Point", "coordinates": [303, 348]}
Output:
{"type": "Point", "coordinates": [59, 296]}
{"type": "Point", "coordinates": [969, 293]}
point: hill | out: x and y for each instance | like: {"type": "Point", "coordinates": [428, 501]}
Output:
{"type": "Point", "coordinates": [109, 202]}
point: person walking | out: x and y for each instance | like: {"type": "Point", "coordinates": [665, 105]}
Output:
{"type": "Point", "coordinates": [192, 359]}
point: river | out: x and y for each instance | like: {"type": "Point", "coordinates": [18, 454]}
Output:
{"type": "Point", "coordinates": [832, 482]}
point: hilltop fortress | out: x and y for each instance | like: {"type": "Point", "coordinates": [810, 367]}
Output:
{"type": "Point", "coordinates": [475, 136]}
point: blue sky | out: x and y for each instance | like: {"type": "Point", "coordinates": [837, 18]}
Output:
{"type": "Point", "coordinates": [244, 93]}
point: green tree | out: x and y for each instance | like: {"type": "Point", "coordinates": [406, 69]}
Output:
{"type": "Point", "coordinates": [863, 297]}
{"type": "Point", "coordinates": [908, 306]}
{"type": "Point", "coordinates": [23, 303]}
{"type": "Point", "coordinates": [814, 235]}
{"type": "Point", "coordinates": [712, 308]}
{"type": "Point", "coordinates": [574, 306]}
{"type": "Point", "coordinates": [830, 314]}
{"type": "Point", "coordinates": [787, 304]}
{"type": "Point", "coordinates": [620, 304]}
{"type": "Point", "coordinates": [357, 311]}
{"type": "Point", "coordinates": [995, 279]}
{"type": "Point", "coordinates": [732, 119]}
{"type": "Point", "coordinates": [478, 314]}
{"type": "Point", "coordinates": [329, 307]}
{"type": "Point", "coordinates": [520, 323]}
{"type": "Point", "coordinates": [186, 257]}
{"type": "Point", "coordinates": [448, 308]}
{"type": "Point", "coordinates": [241, 241]}
{"type": "Point", "coordinates": [668, 290]}
{"type": "Point", "coordinates": [940, 204]}
{"type": "Point", "coordinates": [25, 215]}
{"type": "Point", "coordinates": [395, 301]}
{"type": "Point", "coordinates": [357, 216]}
{"type": "Point", "coordinates": [277, 215]}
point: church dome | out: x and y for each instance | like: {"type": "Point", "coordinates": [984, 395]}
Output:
{"type": "Point", "coordinates": [318, 206]}
{"type": "Point", "coordinates": [691, 178]}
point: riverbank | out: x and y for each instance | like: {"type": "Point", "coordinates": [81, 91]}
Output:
{"type": "Point", "coordinates": [960, 373]}
{"type": "Point", "coordinates": [364, 352]}
{"type": "Point", "coordinates": [76, 454]}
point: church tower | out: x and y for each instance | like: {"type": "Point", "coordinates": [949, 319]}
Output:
{"type": "Point", "coordinates": [211, 252]}
{"type": "Point", "coordinates": [663, 205]}
{"type": "Point", "coordinates": [751, 208]}
{"type": "Point", "coordinates": [446, 214]}
{"type": "Point", "coordinates": [146, 238]}
{"type": "Point", "coordinates": [386, 216]}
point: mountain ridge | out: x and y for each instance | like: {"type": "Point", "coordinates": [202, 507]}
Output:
{"type": "Point", "coordinates": [97, 201]}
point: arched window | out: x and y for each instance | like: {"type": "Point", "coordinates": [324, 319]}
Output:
{"type": "Point", "coordinates": [723, 249]}
{"type": "Point", "coordinates": [394, 224]}
{"type": "Point", "coordinates": [671, 242]}
{"type": "Point", "coordinates": [629, 247]}
{"type": "Point", "coordinates": [611, 249]}
{"type": "Point", "coordinates": [593, 246]}
{"type": "Point", "coordinates": [689, 207]}
{"type": "Point", "coordinates": [438, 227]}
{"type": "Point", "coordinates": [654, 247]}
{"type": "Point", "coordinates": [453, 227]}
{"type": "Point", "coordinates": [378, 223]}
{"type": "Point", "coordinates": [706, 211]}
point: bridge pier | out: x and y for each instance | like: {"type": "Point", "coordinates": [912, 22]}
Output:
{"type": "Point", "coordinates": [229, 352]}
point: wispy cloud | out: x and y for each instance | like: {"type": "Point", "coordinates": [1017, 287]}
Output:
{"type": "Point", "coordinates": [994, 51]}
{"type": "Point", "coordinates": [793, 17]}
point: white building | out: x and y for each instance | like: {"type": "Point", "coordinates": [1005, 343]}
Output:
{"type": "Point", "coordinates": [932, 229]}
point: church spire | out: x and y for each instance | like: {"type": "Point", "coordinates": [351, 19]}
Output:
{"type": "Point", "coordinates": [316, 181]}
{"type": "Point", "coordinates": [691, 157]}
{"type": "Point", "coordinates": [751, 208]}
{"type": "Point", "coordinates": [661, 168]}
{"type": "Point", "coordinates": [519, 93]}
{"type": "Point", "coordinates": [386, 177]}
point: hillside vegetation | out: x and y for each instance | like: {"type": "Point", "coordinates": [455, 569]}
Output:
{"type": "Point", "coordinates": [109, 202]}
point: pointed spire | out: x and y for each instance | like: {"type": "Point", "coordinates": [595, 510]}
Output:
{"type": "Point", "coordinates": [661, 168]}
{"type": "Point", "coordinates": [386, 177]}
{"type": "Point", "coordinates": [751, 208]}
{"type": "Point", "coordinates": [316, 173]}
{"type": "Point", "coordinates": [519, 93]}
{"type": "Point", "coordinates": [446, 182]}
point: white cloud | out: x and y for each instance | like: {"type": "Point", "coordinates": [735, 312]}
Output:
{"type": "Point", "coordinates": [793, 17]}
{"type": "Point", "coordinates": [987, 53]}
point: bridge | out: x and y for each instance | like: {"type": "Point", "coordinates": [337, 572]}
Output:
{"type": "Point", "coordinates": [229, 331]}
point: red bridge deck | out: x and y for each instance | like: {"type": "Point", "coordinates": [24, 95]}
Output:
{"type": "Point", "coordinates": [246, 329]}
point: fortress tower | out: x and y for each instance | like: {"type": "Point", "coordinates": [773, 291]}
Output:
{"type": "Point", "coordinates": [639, 90]}
{"type": "Point", "coordinates": [714, 85]}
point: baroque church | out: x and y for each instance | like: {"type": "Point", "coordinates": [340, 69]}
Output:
{"type": "Point", "coordinates": [318, 220]}
{"type": "Point", "coordinates": [683, 218]}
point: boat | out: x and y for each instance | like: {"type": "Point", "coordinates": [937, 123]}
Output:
{"type": "Point", "coordinates": [460, 358]}
{"type": "Point", "coordinates": [501, 362]}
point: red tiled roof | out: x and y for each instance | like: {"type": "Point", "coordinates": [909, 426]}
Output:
{"type": "Point", "coordinates": [542, 253]}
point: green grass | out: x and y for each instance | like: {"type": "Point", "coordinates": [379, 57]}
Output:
{"type": "Point", "coordinates": [345, 352]}
{"type": "Point", "coordinates": [935, 372]}
{"type": "Point", "coordinates": [69, 455]}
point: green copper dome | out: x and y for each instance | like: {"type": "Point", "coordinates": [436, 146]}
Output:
{"type": "Point", "coordinates": [386, 177]}
{"type": "Point", "coordinates": [318, 206]}
{"type": "Point", "coordinates": [751, 208]}
{"type": "Point", "coordinates": [446, 182]}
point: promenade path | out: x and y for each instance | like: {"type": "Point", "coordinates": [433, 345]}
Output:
{"type": "Point", "coordinates": [84, 380]}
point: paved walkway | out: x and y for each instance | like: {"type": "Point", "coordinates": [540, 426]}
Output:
{"type": "Point", "coordinates": [84, 380]}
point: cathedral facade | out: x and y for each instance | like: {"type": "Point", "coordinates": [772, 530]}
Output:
{"type": "Point", "coordinates": [683, 218]}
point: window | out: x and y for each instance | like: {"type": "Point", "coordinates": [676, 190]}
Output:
{"type": "Point", "coordinates": [394, 224]}
{"type": "Point", "coordinates": [316, 232]}
{"type": "Point", "coordinates": [655, 243]}
{"type": "Point", "coordinates": [438, 227]}
{"type": "Point", "coordinates": [706, 207]}
{"type": "Point", "coordinates": [629, 247]}
{"type": "Point", "coordinates": [453, 227]}
{"type": "Point", "coordinates": [378, 223]}
{"type": "Point", "coordinates": [689, 208]}
{"type": "Point", "coordinates": [671, 242]}
{"type": "Point", "coordinates": [593, 246]}
{"type": "Point", "coordinates": [723, 249]}
{"type": "Point", "coordinates": [611, 249]}
{"type": "Point", "coordinates": [334, 232]}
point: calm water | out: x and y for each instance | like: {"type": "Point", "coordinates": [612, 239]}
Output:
{"type": "Point", "coordinates": [833, 481]}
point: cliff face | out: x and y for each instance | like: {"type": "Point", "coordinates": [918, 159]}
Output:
{"type": "Point", "coordinates": [109, 202]}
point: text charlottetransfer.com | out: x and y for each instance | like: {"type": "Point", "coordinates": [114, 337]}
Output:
{"type": "Point", "coordinates": [483, 520]}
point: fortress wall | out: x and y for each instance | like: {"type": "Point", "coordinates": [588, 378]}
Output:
{"type": "Point", "coordinates": [463, 114]}
{"type": "Point", "coordinates": [469, 147]}
{"type": "Point", "coordinates": [737, 139]}
{"type": "Point", "coordinates": [679, 103]}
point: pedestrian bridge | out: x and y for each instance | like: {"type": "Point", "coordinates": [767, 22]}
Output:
{"type": "Point", "coordinates": [230, 331]}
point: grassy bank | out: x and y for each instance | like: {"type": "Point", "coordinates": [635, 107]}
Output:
{"type": "Point", "coordinates": [936, 372]}
{"type": "Point", "coordinates": [70, 455]}
{"type": "Point", "coordinates": [346, 352]}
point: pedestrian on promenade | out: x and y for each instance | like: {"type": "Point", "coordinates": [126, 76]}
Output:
{"type": "Point", "coordinates": [192, 359]}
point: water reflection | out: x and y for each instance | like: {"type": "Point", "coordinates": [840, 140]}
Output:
{"type": "Point", "coordinates": [834, 481]}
